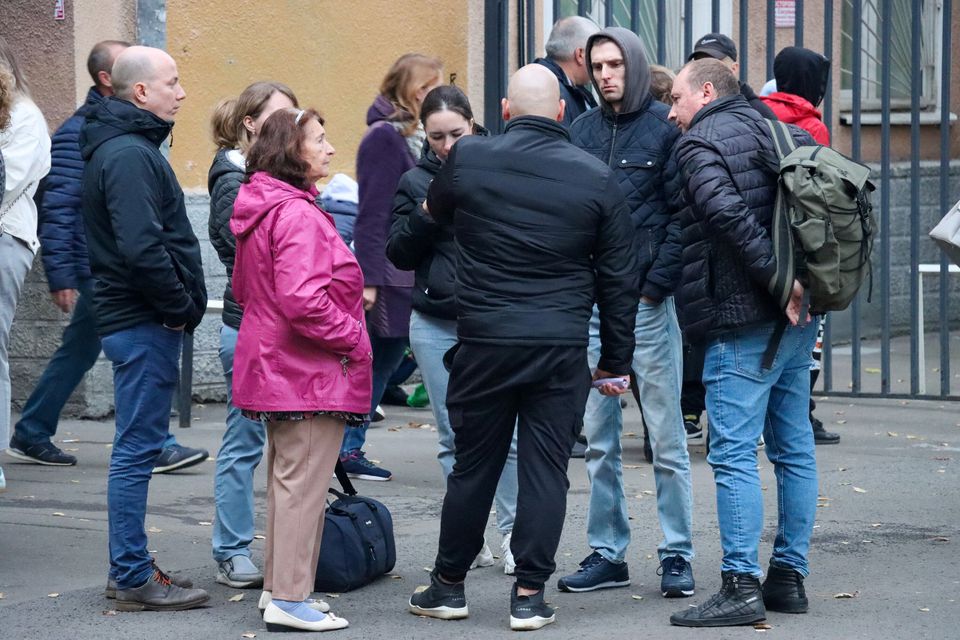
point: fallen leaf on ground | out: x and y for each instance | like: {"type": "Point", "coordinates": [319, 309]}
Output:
{"type": "Point", "coordinates": [942, 458]}
{"type": "Point", "coordinates": [841, 422]}
{"type": "Point", "coordinates": [333, 595]}
{"type": "Point", "coordinates": [392, 429]}
{"type": "Point", "coordinates": [630, 434]}
{"type": "Point", "coordinates": [892, 434]}
{"type": "Point", "coordinates": [940, 539]}
{"type": "Point", "coordinates": [204, 523]}
{"type": "Point", "coordinates": [57, 513]}
{"type": "Point", "coordinates": [867, 541]}
{"type": "Point", "coordinates": [844, 595]}
{"type": "Point", "coordinates": [248, 635]}
{"type": "Point", "coordinates": [421, 589]}
{"type": "Point", "coordinates": [647, 492]}
{"type": "Point", "coordinates": [876, 524]}
{"type": "Point", "coordinates": [394, 576]}
{"type": "Point", "coordinates": [636, 597]}
{"type": "Point", "coordinates": [636, 466]}
{"type": "Point", "coordinates": [53, 595]}
{"type": "Point", "coordinates": [762, 626]}
{"type": "Point", "coordinates": [841, 468]}
{"type": "Point", "coordinates": [925, 609]}
{"type": "Point", "coordinates": [259, 537]}
{"type": "Point", "coordinates": [2, 595]}
{"type": "Point", "coordinates": [70, 449]}
{"type": "Point", "coordinates": [69, 440]}
{"type": "Point", "coordinates": [872, 370]}
{"type": "Point", "coordinates": [941, 470]}
{"type": "Point", "coordinates": [911, 437]}
{"type": "Point", "coordinates": [236, 598]}
{"type": "Point", "coordinates": [427, 569]}
{"type": "Point", "coordinates": [859, 490]}
{"type": "Point", "coordinates": [154, 530]}
{"type": "Point", "coordinates": [75, 481]}
{"type": "Point", "coordinates": [845, 484]}
{"type": "Point", "coordinates": [110, 612]}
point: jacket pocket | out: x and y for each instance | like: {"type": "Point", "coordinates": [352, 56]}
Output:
{"type": "Point", "coordinates": [639, 161]}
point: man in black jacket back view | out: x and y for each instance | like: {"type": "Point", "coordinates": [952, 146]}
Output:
{"type": "Point", "coordinates": [540, 230]}
{"type": "Point", "coordinates": [149, 289]}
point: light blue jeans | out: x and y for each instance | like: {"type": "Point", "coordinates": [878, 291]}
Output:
{"type": "Point", "coordinates": [657, 364]}
{"type": "Point", "coordinates": [15, 262]}
{"type": "Point", "coordinates": [743, 401]}
{"type": "Point", "coordinates": [240, 452]}
{"type": "Point", "coordinates": [430, 338]}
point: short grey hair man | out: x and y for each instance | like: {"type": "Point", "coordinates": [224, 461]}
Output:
{"type": "Point", "coordinates": [566, 58]}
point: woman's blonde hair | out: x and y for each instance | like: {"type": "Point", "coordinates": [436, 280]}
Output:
{"type": "Point", "coordinates": [7, 95]}
{"type": "Point", "coordinates": [408, 75]}
{"type": "Point", "coordinates": [9, 61]}
{"type": "Point", "coordinates": [227, 120]}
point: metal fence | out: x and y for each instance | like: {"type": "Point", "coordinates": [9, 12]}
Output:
{"type": "Point", "coordinates": [895, 62]}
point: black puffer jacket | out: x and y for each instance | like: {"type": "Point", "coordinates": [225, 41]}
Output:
{"type": "Point", "coordinates": [541, 232]}
{"type": "Point", "coordinates": [418, 243]}
{"type": "Point", "coordinates": [223, 183]}
{"type": "Point", "coordinates": [637, 144]}
{"type": "Point", "coordinates": [143, 252]}
{"type": "Point", "coordinates": [577, 99]}
{"type": "Point", "coordinates": [729, 172]}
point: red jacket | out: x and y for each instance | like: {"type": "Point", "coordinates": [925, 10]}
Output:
{"type": "Point", "coordinates": [793, 109]}
{"type": "Point", "coordinates": [303, 342]}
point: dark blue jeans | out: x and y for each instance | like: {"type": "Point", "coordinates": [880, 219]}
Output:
{"type": "Point", "coordinates": [145, 363]}
{"type": "Point", "coordinates": [77, 353]}
{"type": "Point", "coordinates": [387, 354]}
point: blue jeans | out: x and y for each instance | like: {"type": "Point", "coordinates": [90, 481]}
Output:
{"type": "Point", "coordinates": [240, 452]}
{"type": "Point", "coordinates": [15, 262]}
{"type": "Point", "coordinates": [657, 366]}
{"type": "Point", "coordinates": [145, 363]}
{"type": "Point", "coordinates": [77, 353]}
{"type": "Point", "coordinates": [387, 354]}
{"type": "Point", "coordinates": [743, 401]}
{"type": "Point", "coordinates": [430, 339]}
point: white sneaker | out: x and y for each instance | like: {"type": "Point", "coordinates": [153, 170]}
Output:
{"type": "Point", "coordinates": [509, 565]}
{"type": "Point", "coordinates": [484, 558]}
{"type": "Point", "coordinates": [266, 597]}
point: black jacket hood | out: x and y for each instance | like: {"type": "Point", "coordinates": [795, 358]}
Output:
{"type": "Point", "coordinates": [637, 90]}
{"type": "Point", "coordinates": [116, 117]}
{"type": "Point", "coordinates": [803, 73]}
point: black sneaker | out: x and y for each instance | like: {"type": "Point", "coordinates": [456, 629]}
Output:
{"type": "Point", "coordinates": [440, 600]}
{"type": "Point", "coordinates": [177, 457]}
{"type": "Point", "coordinates": [691, 424]}
{"type": "Point", "coordinates": [40, 453]}
{"type": "Point", "coordinates": [579, 448]}
{"type": "Point", "coordinates": [596, 572]}
{"type": "Point", "coordinates": [738, 602]}
{"type": "Point", "coordinates": [529, 612]}
{"type": "Point", "coordinates": [159, 593]}
{"type": "Point", "coordinates": [821, 435]}
{"type": "Point", "coordinates": [676, 579]}
{"type": "Point", "coordinates": [783, 590]}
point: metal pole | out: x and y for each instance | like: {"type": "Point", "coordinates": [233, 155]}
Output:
{"type": "Point", "coordinates": [531, 30]}
{"type": "Point", "coordinates": [826, 362]}
{"type": "Point", "coordinates": [744, 40]}
{"type": "Point", "coordinates": [583, 7]}
{"type": "Point", "coordinates": [495, 61]}
{"type": "Point", "coordinates": [915, 328]}
{"type": "Point", "coordinates": [608, 13]}
{"type": "Point", "coordinates": [885, 57]}
{"type": "Point", "coordinates": [798, 24]}
{"type": "Point", "coordinates": [715, 16]}
{"type": "Point", "coordinates": [771, 37]}
{"type": "Point", "coordinates": [521, 34]}
{"type": "Point", "coordinates": [687, 28]}
{"type": "Point", "coordinates": [855, 144]}
{"type": "Point", "coordinates": [945, 69]}
{"type": "Point", "coordinates": [661, 28]}
{"type": "Point", "coordinates": [556, 10]}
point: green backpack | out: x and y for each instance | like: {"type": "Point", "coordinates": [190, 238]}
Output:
{"type": "Point", "coordinates": [823, 224]}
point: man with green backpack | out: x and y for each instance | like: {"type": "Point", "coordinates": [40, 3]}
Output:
{"type": "Point", "coordinates": [747, 246]}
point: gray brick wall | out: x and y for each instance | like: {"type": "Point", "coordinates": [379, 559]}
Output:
{"type": "Point", "coordinates": [38, 325]}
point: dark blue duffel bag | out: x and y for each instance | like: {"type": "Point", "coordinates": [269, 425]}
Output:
{"type": "Point", "coordinates": [357, 545]}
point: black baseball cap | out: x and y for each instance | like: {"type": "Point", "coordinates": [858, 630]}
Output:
{"type": "Point", "coordinates": [715, 45]}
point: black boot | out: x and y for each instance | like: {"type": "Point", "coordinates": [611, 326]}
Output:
{"type": "Point", "coordinates": [783, 590]}
{"type": "Point", "coordinates": [821, 435]}
{"type": "Point", "coordinates": [738, 602]}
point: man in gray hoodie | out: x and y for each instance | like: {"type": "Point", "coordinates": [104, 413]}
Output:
{"type": "Point", "coordinates": [631, 133]}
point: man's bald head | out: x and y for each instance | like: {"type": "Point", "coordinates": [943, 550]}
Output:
{"type": "Point", "coordinates": [533, 91]}
{"type": "Point", "coordinates": [148, 78]}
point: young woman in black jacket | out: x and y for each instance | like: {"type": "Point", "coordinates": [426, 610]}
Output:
{"type": "Point", "coordinates": [417, 243]}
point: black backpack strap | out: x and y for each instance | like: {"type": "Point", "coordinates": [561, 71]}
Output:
{"type": "Point", "coordinates": [343, 479]}
{"type": "Point", "coordinates": [783, 141]}
{"type": "Point", "coordinates": [773, 345]}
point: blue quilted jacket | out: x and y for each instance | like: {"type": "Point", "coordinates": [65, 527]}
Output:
{"type": "Point", "coordinates": [62, 238]}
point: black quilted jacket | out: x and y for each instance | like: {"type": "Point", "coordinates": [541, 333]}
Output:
{"type": "Point", "coordinates": [729, 173]}
{"type": "Point", "coordinates": [223, 183]}
{"type": "Point", "coordinates": [638, 146]}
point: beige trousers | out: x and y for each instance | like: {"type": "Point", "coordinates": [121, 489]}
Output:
{"type": "Point", "coordinates": [301, 457]}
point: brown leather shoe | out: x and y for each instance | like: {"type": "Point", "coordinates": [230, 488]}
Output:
{"type": "Point", "coordinates": [159, 593]}
{"type": "Point", "coordinates": [111, 589]}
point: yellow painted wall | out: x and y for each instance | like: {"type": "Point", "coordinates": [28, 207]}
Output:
{"type": "Point", "coordinates": [332, 53]}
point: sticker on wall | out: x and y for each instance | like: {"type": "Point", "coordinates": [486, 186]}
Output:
{"type": "Point", "coordinates": [785, 13]}
{"type": "Point", "coordinates": [59, 11]}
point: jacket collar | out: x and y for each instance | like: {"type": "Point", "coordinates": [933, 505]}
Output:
{"type": "Point", "coordinates": [539, 124]}
{"type": "Point", "coordinates": [727, 103]}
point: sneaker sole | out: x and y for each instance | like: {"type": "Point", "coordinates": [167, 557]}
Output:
{"type": "Point", "coordinates": [677, 593]}
{"type": "Point", "coordinates": [441, 613]}
{"type": "Point", "coordinates": [256, 583]}
{"type": "Point", "coordinates": [20, 455]}
{"type": "Point", "coordinates": [130, 605]}
{"type": "Point", "coordinates": [182, 464]}
{"type": "Point", "coordinates": [531, 624]}
{"type": "Point", "coordinates": [363, 476]}
{"type": "Point", "coordinates": [603, 585]}
{"type": "Point", "coordinates": [733, 621]}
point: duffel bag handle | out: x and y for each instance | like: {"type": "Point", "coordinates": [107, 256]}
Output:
{"type": "Point", "coordinates": [344, 481]}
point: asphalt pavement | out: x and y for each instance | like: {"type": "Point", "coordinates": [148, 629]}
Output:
{"type": "Point", "coordinates": [883, 557]}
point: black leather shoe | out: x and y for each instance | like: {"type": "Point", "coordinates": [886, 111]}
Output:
{"type": "Point", "coordinates": [821, 435]}
{"type": "Point", "coordinates": [739, 601]}
{"type": "Point", "coordinates": [783, 590]}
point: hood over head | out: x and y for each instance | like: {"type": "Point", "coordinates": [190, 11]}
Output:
{"type": "Point", "coordinates": [116, 117]}
{"type": "Point", "coordinates": [802, 72]}
{"type": "Point", "coordinates": [259, 196]}
{"type": "Point", "coordinates": [636, 91]}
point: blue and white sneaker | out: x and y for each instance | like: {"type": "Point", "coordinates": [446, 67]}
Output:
{"type": "Point", "coordinates": [676, 579]}
{"type": "Point", "coordinates": [596, 572]}
{"type": "Point", "coordinates": [358, 467]}
{"type": "Point", "coordinates": [177, 456]}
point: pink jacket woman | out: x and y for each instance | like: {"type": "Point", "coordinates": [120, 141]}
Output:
{"type": "Point", "coordinates": [301, 292]}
